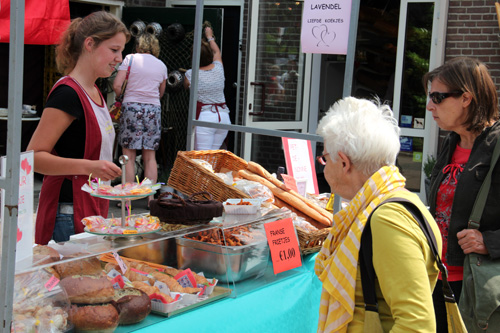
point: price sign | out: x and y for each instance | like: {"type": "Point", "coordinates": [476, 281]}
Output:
{"type": "Point", "coordinates": [283, 244]}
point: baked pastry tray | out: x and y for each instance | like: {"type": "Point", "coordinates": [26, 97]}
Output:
{"type": "Point", "coordinates": [218, 293]}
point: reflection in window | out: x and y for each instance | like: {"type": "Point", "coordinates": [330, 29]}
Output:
{"type": "Point", "coordinates": [409, 161]}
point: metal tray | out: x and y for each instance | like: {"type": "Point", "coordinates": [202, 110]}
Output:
{"type": "Point", "coordinates": [226, 263]}
{"type": "Point", "coordinates": [218, 293]}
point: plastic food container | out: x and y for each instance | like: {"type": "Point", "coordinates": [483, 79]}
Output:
{"type": "Point", "coordinates": [231, 206]}
{"type": "Point", "coordinates": [225, 263]}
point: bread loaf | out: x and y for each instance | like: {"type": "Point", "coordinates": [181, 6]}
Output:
{"type": "Point", "coordinates": [99, 318]}
{"type": "Point", "coordinates": [133, 305]}
{"type": "Point", "coordinates": [88, 289]}
{"type": "Point", "coordinates": [85, 266]}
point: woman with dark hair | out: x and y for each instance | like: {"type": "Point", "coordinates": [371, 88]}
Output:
{"type": "Point", "coordinates": [75, 136]}
{"type": "Point", "coordinates": [211, 105]}
{"type": "Point", "coordinates": [463, 100]}
{"type": "Point", "coordinates": [140, 123]}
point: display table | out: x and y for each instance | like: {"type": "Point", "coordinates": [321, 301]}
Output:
{"type": "Point", "coordinates": [289, 305]}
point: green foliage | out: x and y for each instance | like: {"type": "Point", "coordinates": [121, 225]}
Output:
{"type": "Point", "coordinates": [429, 165]}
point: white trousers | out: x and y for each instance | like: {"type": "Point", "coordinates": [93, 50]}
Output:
{"type": "Point", "coordinates": [211, 138]}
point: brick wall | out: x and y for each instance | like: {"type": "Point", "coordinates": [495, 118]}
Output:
{"type": "Point", "coordinates": [473, 31]}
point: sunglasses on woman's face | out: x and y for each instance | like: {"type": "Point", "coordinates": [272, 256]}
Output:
{"type": "Point", "coordinates": [438, 97]}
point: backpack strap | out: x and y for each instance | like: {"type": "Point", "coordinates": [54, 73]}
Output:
{"type": "Point", "coordinates": [368, 275]}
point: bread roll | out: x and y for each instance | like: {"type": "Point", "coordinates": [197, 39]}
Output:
{"type": "Point", "coordinates": [85, 266]}
{"type": "Point", "coordinates": [100, 318]}
{"type": "Point", "coordinates": [88, 289]}
{"type": "Point", "coordinates": [133, 305]}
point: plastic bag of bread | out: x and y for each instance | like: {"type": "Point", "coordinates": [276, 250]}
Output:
{"type": "Point", "coordinates": [38, 305]}
{"type": "Point", "coordinates": [203, 164]}
{"type": "Point", "coordinates": [255, 190]}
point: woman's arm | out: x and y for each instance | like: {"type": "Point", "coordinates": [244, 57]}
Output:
{"type": "Point", "coordinates": [209, 33]}
{"type": "Point", "coordinates": [117, 83]}
{"type": "Point", "coordinates": [162, 88]}
{"type": "Point", "coordinates": [52, 125]}
{"type": "Point", "coordinates": [405, 268]}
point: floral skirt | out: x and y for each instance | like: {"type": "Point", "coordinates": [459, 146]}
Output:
{"type": "Point", "coordinates": [140, 126]}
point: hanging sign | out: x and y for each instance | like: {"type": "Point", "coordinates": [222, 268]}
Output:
{"type": "Point", "coordinates": [284, 246]}
{"type": "Point", "coordinates": [325, 26]}
{"type": "Point", "coordinates": [300, 163]}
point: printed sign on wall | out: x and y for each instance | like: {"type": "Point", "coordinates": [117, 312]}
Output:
{"type": "Point", "coordinates": [325, 26]}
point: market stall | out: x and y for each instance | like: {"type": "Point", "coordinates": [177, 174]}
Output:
{"type": "Point", "coordinates": [237, 250]}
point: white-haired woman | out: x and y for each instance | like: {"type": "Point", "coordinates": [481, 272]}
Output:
{"type": "Point", "coordinates": [361, 141]}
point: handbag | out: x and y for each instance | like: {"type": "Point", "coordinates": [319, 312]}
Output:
{"type": "Point", "coordinates": [176, 210]}
{"type": "Point", "coordinates": [480, 299]}
{"type": "Point", "coordinates": [372, 320]}
{"type": "Point", "coordinates": [115, 111]}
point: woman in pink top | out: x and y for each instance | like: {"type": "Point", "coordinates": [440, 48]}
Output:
{"type": "Point", "coordinates": [140, 123]}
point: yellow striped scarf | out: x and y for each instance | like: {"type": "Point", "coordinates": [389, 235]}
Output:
{"type": "Point", "coordinates": [337, 262]}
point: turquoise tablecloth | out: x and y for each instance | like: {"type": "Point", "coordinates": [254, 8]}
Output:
{"type": "Point", "coordinates": [289, 305]}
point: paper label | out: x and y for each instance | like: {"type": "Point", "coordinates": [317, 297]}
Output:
{"type": "Point", "coordinates": [118, 282]}
{"type": "Point", "coordinates": [284, 246]}
{"type": "Point", "coordinates": [162, 286]}
{"type": "Point", "coordinates": [289, 182]}
{"type": "Point", "coordinates": [53, 281]}
{"type": "Point", "coordinates": [120, 262]}
{"type": "Point", "coordinates": [186, 278]}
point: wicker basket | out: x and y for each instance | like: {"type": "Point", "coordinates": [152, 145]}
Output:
{"type": "Point", "coordinates": [189, 177]}
{"type": "Point", "coordinates": [312, 241]}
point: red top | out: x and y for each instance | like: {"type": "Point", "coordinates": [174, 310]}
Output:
{"type": "Point", "coordinates": [444, 203]}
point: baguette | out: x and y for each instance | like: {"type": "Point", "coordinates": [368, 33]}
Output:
{"type": "Point", "coordinates": [287, 197]}
{"type": "Point", "coordinates": [259, 170]}
{"type": "Point", "coordinates": [280, 203]}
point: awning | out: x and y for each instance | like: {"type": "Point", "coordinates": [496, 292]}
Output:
{"type": "Point", "coordinates": [44, 22]}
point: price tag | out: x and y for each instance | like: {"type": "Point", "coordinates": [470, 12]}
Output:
{"type": "Point", "coordinates": [53, 281]}
{"type": "Point", "coordinates": [118, 282]}
{"type": "Point", "coordinates": [290, 182]}
{"type": "Point", "coordinates": [283, 244]}
{"type": "Point", "coordinates": [186, 278]}
{"type": "Point", "coordinates": [120, 262]}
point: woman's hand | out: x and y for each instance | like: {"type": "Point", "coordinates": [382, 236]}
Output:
{"type": "Point", "coordinates": [104, 170]}
{"type": "Point", "coordinates": [209, 33]}
{"type": "Point", "coordinates": [471, 241]}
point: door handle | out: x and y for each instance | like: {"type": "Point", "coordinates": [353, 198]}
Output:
{"type": "Point", "coordinates": [263, 101]}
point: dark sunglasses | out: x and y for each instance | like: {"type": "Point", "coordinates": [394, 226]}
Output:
{"type": "Point", "coordinates": [438, 97]}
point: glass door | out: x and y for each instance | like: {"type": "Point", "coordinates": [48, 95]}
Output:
{"type": "Point", "coordinates": [414, 54]}
{"type": "Point", "coordinates": [275, 81]}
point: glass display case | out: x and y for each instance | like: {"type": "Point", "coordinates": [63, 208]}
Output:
{"type": "Point", "coordinates": [231, 254]}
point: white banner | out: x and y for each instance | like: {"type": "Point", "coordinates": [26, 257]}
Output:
{"type": "Point", "coordinates": [24, 248]}
{"type": "Point", "coordinates": [325, 26]}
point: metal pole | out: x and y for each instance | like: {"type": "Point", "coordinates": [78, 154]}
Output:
{"type": "Point", "coordinates": [11, 213]}
{"type": "Point", "coordinates": [349, 69]}
{"type": "Point", "coordinates": [195, 66]}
